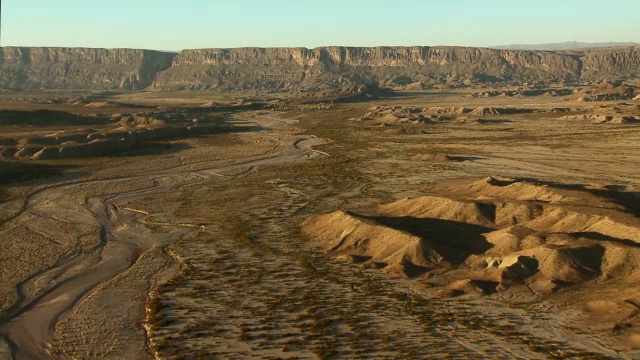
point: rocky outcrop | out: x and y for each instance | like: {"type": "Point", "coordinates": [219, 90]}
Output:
{"type": "Point", "coordinates": [94, 135]}
{"type": "Point", "coordinates": [277, 69]}
{"type": "Point", "coordinates": [45, 117]}
{"type": "Point", "coordinates": [494, 234]}
{"type": "Point", "coordinates": [80, 68]}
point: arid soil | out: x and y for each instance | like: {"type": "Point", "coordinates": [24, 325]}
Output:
{"type": "Point", "coordinates": [424, 225]}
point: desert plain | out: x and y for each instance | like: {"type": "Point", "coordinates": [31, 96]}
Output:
{"type": "Point", "coordinates": [398, 221]}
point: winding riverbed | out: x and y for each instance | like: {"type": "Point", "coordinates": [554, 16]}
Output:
{"type": "Point", "coordinates": [28, 328]}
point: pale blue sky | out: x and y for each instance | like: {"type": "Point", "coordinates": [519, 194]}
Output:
{"type": "Point", "coordinates": [184, 24]}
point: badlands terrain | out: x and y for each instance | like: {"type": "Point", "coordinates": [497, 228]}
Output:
{"type": "Point", "coordinates": [319, 203]}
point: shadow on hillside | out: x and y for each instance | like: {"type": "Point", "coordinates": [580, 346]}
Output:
{"type": "Point", "coordinates": [629, 200]}
{"type": "Point", "coordinates": [454, 240]}
{"type": "Point", "coordinates": [12, 171]}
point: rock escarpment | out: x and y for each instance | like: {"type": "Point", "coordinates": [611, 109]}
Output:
{"type": "Point", "coordinates": [602, 63]}
{"type": "Point", "coordinates": [80, 68]}
{"type": "Point", "coordinates": [277, 69]}
{"type": "Point", "coordinates": [286, 67]}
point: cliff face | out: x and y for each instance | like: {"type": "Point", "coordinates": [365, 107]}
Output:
{"type": "Point", "coordinates": [457, 63]}
{"type": "Point", "coordinates": [283, 68]}
{"type": "Point", "coordinates": [610, 62]}
{"type": "Point", "coordinates": [255, 67]}
{"type": "Point", "coordinates": [80, 68]}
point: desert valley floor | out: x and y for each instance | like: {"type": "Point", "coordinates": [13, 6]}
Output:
{"type": "Point", "coordinates": [444, 224]}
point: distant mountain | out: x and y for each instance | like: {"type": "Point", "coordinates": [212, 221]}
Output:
{"type": "Point", "coordinates": [561, 46]}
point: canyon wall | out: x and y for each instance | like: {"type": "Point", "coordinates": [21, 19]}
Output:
{"type": "Point", "coordinates": [80, 68]}
{"type": "Point", "coordinates": [610, 62]}
{"type": "Point", "coordinates": [294, 68]}
{"type": "Point", "coordinates": [281, 67]}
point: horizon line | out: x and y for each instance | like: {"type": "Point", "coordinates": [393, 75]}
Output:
{"type": "Point", "coordinates": [492, 47]}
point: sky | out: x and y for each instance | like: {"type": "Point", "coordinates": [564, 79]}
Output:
{"type": "Point", "coordinates": [192, 24]}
